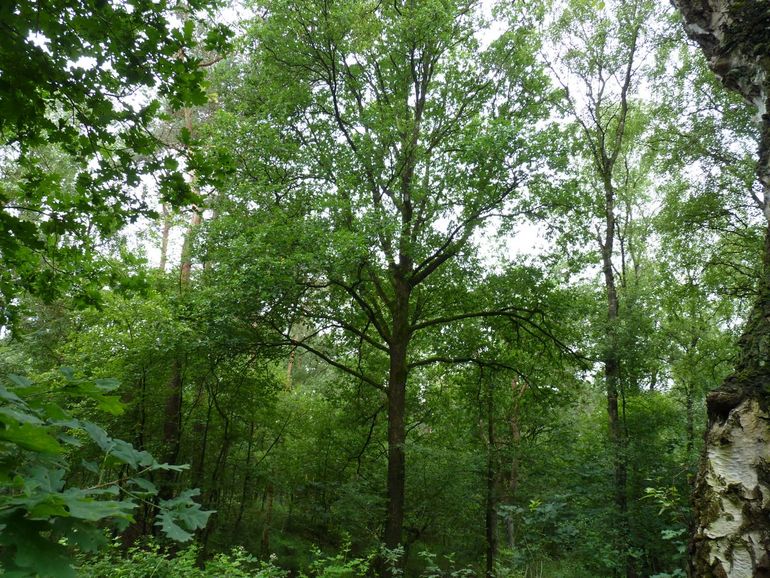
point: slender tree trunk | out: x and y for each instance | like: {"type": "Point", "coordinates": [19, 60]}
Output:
{"type": "Point", "coordinates": [611, 361]}
{"type": "Point", "coordinates": [139, 527]}
{"type": "Point", "coordinates": [397, 377]}
{"type": "Point", "coordinates": [246, 478]}
{"type": "Point", "coordinates": [172, 426]}
{"type": "Point", "coordinates": [690, 419]}
{"type": "Point", "coordinates": [202, 434]}
{"type": "Point", "coordinates": [518, 390]}
{"type": "Point", "coordinates": [491, 501]}
{"type": "Point", "coordinates": [290, 369]}
{"type": "Point", "coordinates": [185, 271]}
{"type": "Point", "coordinates": [265, 540]}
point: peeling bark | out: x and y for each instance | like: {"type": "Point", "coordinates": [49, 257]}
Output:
{"type": "Point", "coordinates": [732, 491]}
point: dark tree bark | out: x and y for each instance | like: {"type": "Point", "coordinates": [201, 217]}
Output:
{"type": "Point", "coordinates": [611, 361]}
{"type": "Point", "coordinates": [732, 490]}
{"type": "Point", "coordinates": [397, 415]}
{"type": "Point", "coordinates": [511, 477]}
{"type": "Point", "coordinates": [245, 488]}
{"type": "Point", "coordinates": [492, 475]}
{"type": "Point", "coordinates": [172, 428]}
{"type": "Point", "coordinates": [265, 539]}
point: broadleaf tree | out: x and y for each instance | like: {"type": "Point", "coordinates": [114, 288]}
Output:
{"type": "Point", "coordinates": [376, 141]}
{"type": "Point", "coordinates": [82, 84]}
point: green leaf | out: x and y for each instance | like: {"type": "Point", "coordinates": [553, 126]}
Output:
{"type": "Point", "coordinates": [107, 384]}
{"type": "Point", "coordinates": [180, 516]}
{"type": "Point", "coordinates": [9, 395]}
{"type": "Point", "coordinates": [18, 416]}
{"type": "Point", "coordinates": [68, 373]}
{"type": "Point", "coordinates": [83, 507]}
{"type": "Point", "coordinates": [99, 436]}
{"type": "Point", "coordinates": [145, 484]}
{"type": "Point", "coordinates": [28, 553]}
{"type": "Point", "coordinates": [19, 380]}
{"type": "Point", "coordinates": [110, 404]}
{"type": "Point", "coordinates": [30, 437]}
{"type": "Point", "coordinates": [167, 523]}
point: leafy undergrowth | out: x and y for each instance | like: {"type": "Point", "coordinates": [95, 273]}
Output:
{"type": "Point", "coordinates": [151, 560]}
{"type": "Point", "coordinates": [43, 514]}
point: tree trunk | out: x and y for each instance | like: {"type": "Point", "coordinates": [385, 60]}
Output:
{"type": "Point", "coordinates": [690, 418]}
{"type": "Point", "coordinates": [172, 428]}
{"type": "Point", "coordinates": [518, 390]}
{"type": "Point", "coordinates": [397, 417]}
{"type": "Point", "coordinates": [611, 361]}
{"type": "Point", "coordinates": [290, 368]}
{"type": "Point", "coordinates": [732, 490]}
{"type": "Point", "coordinates": [246, 478]}
{"type": "Point", "coordinates": [201, 431]}
{"type": "Point", "coordinates": [164, 238]}
{"type": "Point", "coordinates": [185, 270]}
{"type": "Point", "coordinates": [491, 501]}
{"type": "Point", "coordinates": [265, 540]}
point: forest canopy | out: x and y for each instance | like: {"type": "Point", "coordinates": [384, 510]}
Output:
{"type": "Point", "coordinates": [409, 288]}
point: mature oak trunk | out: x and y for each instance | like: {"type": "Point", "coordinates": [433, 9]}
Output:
{"type": "Point", "coordinates": [396, 415]}
{"type": "Point", "coordinates": [732, 491]}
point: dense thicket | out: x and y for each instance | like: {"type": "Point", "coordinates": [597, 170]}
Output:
{"type": "Point", "coordinates": [418, 289]}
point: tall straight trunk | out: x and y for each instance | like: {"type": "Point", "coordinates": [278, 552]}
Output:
{"type": "Point", "coordinates": [264, 542]}
{"type": "Point", "coordinates": [201, 433]}
{"type": "Point", "coordinates": [690, 418]}
{"type": "Point", "coordinates": [611, 362]}
{"type": "Point", "coordinates": [397, 377]}
{"type": "Point", "coordinates": [172, 425]}
{"type": "Point", "coordinates": [143, 516]}
{"type": "Point", "coordinates": [491, 501]}
{"type": "Point", "coordinates": [172, 420]}
{"type": "Point", "coordinates": [518, 390]}
{"type": "Point", "coordinates": [732, 489]}
{"type": "Point", "coordinates": [172, 428]}
{"type": "Point", "coordinates": [246, 478]}
{"type": "Point", "coordinates": [290, 369]}
{"type": "Point", "coordinates": [185, 270]}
